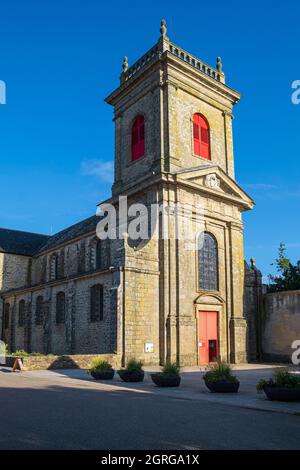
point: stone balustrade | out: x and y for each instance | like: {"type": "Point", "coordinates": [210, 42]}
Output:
{"type": "Point", "coordinates": [131, 71]}
{"type": "Point", "coordinates": [199, 65]}
{"type": "Point", "coordinates": [164, 45]}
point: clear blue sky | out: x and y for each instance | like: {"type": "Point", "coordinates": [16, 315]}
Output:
{"type": "Point", "coordinates": [60, 59]}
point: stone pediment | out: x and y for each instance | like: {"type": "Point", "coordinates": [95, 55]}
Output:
{"type": "Point", "coordinates": [213, 180]}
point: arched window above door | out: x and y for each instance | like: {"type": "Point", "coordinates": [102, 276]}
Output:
{"type": "Point", "coordinates": [208, 265]}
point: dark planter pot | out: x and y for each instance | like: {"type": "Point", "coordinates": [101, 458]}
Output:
{"type": "Point", "coordinates": [164, 380]}
{"type": "Point", "coordinates": [222, 386]}
{"type": "Point", "coordinates": [103, 375]}
{"type": "Point", "coordinates": [282, 393]}
{"type": "Point", "coordinates": [134, 376]}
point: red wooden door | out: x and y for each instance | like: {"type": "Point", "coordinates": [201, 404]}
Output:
{"type": "Point", "coordinates": [208, 337]}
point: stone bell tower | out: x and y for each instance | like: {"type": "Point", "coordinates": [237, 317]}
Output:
{"type": "Point", "coordinates": [168, 107]}
{"type": "Point", "coordinates": [167, 86]}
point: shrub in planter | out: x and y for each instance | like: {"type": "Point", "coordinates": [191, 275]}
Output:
{"type": "Point", "coordinates": [219, 378]}
{"type": "Point", "coordinates": [283, 386]}
{"type": "Point", "coordinates": [133, 372]}
{"type": "Point", "coordinates": [168, 377]}
{"type": "Point", "coordinates": [101, 370]}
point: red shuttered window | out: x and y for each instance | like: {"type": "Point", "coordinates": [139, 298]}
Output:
{"type": "Point", "coordinates": [138, 138]}
{"type": "Point", "coordinates": [201, 136]}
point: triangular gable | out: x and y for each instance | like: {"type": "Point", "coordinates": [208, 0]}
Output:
{"type": "Point", "coordinates": [213, 180]}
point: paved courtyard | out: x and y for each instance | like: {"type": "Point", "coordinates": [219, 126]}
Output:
{"type": "Point", "coordinates": [68, 410]}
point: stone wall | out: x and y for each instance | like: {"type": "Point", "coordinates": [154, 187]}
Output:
{"type": "Point", "coordinates": [74, 273]}
{"type": "Point", "coordinates": [280, 325]}
{"type": "Point", "coordinates": [77, 333]}
{"type": "Point", "coordinates": [185, 98]}
{"type": "Point", "coordinates": [14, 271]}
{"type": "Point", "coordinates": [75, 361]}
{"type": "Point", "coordinates": [144, 100]}
{"type": "Point", "coordinates": [75, 257]}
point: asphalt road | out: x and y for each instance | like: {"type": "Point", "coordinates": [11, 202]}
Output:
{"type": "Point", "coordinates": [68, 414]}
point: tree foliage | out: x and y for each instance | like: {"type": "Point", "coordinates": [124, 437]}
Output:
{"type": "Point", "coordinates": [288, 277]}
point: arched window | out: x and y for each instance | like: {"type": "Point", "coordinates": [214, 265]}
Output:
{"type": "Point", "coordinates": [6, 315]}
{"type": "Point", "coordinates": [21, 321]}
{"type": "Point", "coordinates": [207, 262]}
{"type": "Point", "coordinates": [53, 267]}
{"type": "Point", "coordinates": [201, 136]}
{"type": "Point", "coordinates": [39, 313]}
{"type": "Point", "coordinates": [96, 303]}
{"type": "Point", "coordinates": [138, 138]}
{"type": "Point", "coordinates": [60, 307]}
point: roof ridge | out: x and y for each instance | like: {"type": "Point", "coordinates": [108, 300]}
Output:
{"type": "Point", "coordinates": [25, 231]}
{"type": "Point", "coordinates": [59, 239]}
{"type": "Point", "coordinates": [32, 244]}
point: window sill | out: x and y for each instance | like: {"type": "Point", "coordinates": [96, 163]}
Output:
{"type": "Point", "coordinates": [202, 158]}
{"type": "Point", "coordinates": [132, 162]}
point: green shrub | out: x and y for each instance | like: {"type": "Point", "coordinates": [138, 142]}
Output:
{"type": "Point", "coordinates": [281, 378]}
{"type": "Point", "coordinates": [22, 353]}
{"type": "Point", "coordinates": [261, 385]}
{"type": "Point", "coordinates": [171, 368]}
{"type": "Point", "coordinates": [218, 372]}
{"type": "Point", "coordinates": [98, 365]}
{"type": "Point", "coordinates": [134, 366]}
{"type": "Point", "coordinates": [5, 349]}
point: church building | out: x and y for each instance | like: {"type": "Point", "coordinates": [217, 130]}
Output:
{"type": "Point", "coordinates": [151, 299]}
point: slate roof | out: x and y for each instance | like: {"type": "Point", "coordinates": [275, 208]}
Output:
{"type": "Point", "coordinates": [29, 244]}
{"type": "Point", "coordinates": [21, 243]}
{"type": "Point", "coordinates": [68, 234]}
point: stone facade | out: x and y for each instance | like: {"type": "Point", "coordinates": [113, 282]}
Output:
{"type": "Point", "coordinates": [37, 279]}
{"type": "Point", "coordinates": [151, 298]}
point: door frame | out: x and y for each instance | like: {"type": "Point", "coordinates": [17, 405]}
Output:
{"type": "Point", "coordinates": [198, 332]}
{"type": "Point", "coordinates": [211, 303]}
